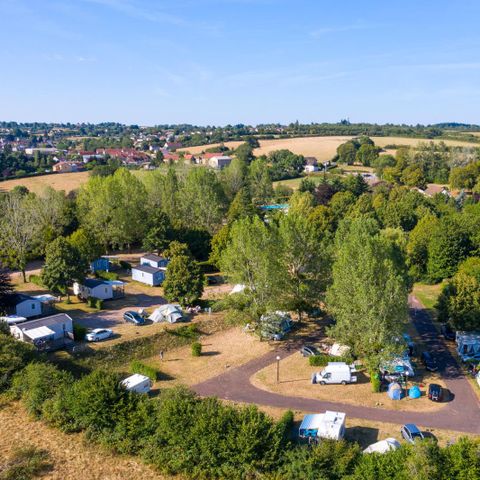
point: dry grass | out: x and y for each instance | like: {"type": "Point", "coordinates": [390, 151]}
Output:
{"type": "Point", "coordinates": [226, 349]}
{"type": "Point", "coordinates": [382, 141]}
{"type": "Point", "coordinates": [202, 148]}
{"type": "Point", "coordinates": [73, 457]}
{"type": "Point", "coordinates": [295, 380]}
{"type": "Point", "coordinates": [58, 181]}
{"type": "Point", "coordinates": [427, 294]}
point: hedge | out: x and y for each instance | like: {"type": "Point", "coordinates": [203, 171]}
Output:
{"type": "Point", "coordinates": [79, 332]}
{"type": "Point", "coordinates": [36, 279]}
{"type": "Point", "coordinates": [322, 360]}
{"type": "Point", "coordinates": [139, 367]}
{"type": "Point", "coordinates": [106, 275]}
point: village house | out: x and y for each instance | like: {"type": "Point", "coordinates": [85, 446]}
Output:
{"type": "Point", "coordinates": [220, 162]}
{"type": "Point", "coordinates": [311, 165]}
{"type": "Point", "coordinates": [65, 167]}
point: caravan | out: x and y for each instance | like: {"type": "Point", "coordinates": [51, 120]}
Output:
{"type": "Point", "coordinates": [328, 425]}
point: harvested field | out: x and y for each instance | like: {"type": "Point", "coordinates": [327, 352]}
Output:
{"type": "Point", "coordinates": [72, 456]}
{"type": "Point", "coordinates": [382, 141]}
{"type": "Point", "coordinates": [58, 181]}
{"type": "Point", "coordinates": [202, 148]}
{"type": "Point", "coordinates": [295, 375]}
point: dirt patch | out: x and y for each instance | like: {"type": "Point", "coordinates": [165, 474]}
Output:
{"type": "Point", "coordinates": [295, 380]}
{"type": "Point", "coordinates": [220, 351]}
{"type": "Point", "coordinates": [72, 456]}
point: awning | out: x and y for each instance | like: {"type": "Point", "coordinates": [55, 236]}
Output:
{"type": "Point", "coordinates": [38, 333]}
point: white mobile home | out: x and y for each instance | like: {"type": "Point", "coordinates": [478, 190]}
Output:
{"type": "Point", "coordinates": [137, 383]}
{"type": "Point", "coordinates": [154, 260]}
{"type": "Point", "coordinates": [26, 306]}
{"type": "Point", "coordinates": [328, 425]}
{"type": "Point", "coordinates": [45, 333]}
{"type": "Point", "coordinates": [103, 289]}
{"type": "Point", "coordinates": [150, 275]}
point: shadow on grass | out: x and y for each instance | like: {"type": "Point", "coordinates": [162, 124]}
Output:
{"type": "Point", "coordinates": [364, 436]}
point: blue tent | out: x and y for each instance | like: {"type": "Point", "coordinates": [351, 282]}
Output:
{"type": "Point", "coordinates": [395, 391]}
{"type": "Point", "coordinates": [414, 392]}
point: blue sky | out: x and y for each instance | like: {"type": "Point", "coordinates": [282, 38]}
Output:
{"type": "Point", "coordinates": [214, 62]}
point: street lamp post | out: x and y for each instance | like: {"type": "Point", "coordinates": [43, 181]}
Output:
{"type": "Point", "coordinates": [278, 368]}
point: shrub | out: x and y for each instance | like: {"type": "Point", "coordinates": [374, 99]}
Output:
{"type": "Point", "coordinates": [36, 279]}
{"type": "Point", "coordinates": [375, 381]}
{"type": "Point", "coordinates": [106, 275]}
{"type": "Point", "coordinates": [91, 302]}
{"type": "Point", "coordinates": [26, 463]}
{"type": "Point", "coordinates": [322, 360]}
{"type": "Point", "coordinates": [139, 367]}
{"type": "Point", "coordinates": [125, 265]}
{"type": "Point", "coordinates": [98, 303]}
{"type": "Point", "coordinates": [14, 355]}
{"type": "Point", "coordinates": [79, 332]}
{"type": "Point", "coordinates": [186, 331]}
{"type": "Point", "coordinates": [196, 349]}
{"type": "Point", "coordinates": [37, 383]}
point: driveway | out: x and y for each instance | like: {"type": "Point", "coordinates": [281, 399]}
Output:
{"type": "Point", "coordinates": [113, 318]}
{"type": "Point", "coordinates": [462, 414]}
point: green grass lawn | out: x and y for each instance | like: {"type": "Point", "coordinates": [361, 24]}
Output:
{"type": "Point", "coordinates": [428, 294]}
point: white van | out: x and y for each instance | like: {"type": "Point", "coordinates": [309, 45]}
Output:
{"type": "Point", "coordinates": [137, 383]}
{"type": "Point", "coordinates": [335, 372]}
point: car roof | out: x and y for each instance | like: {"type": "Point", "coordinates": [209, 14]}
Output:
{"type": "Point", "coordinates": [412, 428]}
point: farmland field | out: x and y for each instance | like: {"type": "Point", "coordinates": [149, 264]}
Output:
{"type": "Point", "coordinates": [58, 181]}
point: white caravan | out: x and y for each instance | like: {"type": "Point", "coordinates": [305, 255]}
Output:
{"type": "Point", "coordinates": [137, 383]}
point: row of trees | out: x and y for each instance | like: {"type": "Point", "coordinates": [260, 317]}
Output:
{"type": "Point", "coordinates": [180, 434]}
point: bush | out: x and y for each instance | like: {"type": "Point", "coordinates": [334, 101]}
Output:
{"type": "Point", "coordinates": [37, 383]}
{"type": "Point", "coordinates": [98, 303]}
{"type": "Point", "coordinates": [375, 381]}
{"type": "Point", "coordinates": [125, 265]}
{"type": "Point", "coordinates": [26, 463]}
{"type": "Point", "coordinates": [14, 356]}
{"type": "Point", "coordinates": [322, 360]}
{"type": "Point", "coordinates": [196, 349]}
{"type": "Point", "coordinates": [106, 275]}
{"type": "Point", "coordinates": [79, 332]}
{"type": "Point", "coordinates": [91, 302]}
{"type": "Point", "coordinates": [139, 367]}
{"type": "Point", "coordinates": [186, 331]}
{"type": "Point", "coordinates": [37, 280]}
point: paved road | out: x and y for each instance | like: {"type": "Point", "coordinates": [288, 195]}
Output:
{"type": "Point", "coordinates": [461, 414]}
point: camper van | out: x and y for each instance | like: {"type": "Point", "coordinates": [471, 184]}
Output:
{"type": "Point", "coordinates": [335, 372]}
{"type": "Point", "coordinates": [137, 383]}
{"type": "Point", "coordinates": [328, 425]}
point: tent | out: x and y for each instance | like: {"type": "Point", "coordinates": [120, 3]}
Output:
{"type": "Point", "coordinates": [395, 391]}
{"type": "Point", "coordinates": [383, 446]}
{"type": "Point", "coordinates": [414, 392]}
{"type": "Point", "coordinates": [167, 313]}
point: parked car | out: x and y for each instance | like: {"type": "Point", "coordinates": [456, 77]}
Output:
{"type": "Point", "coordinates": [447, 332]}
{"type": "Point", "coordinates": [435, 392]}
{"type": "Point", "coordinates": [309, 351]}
{"type": "Point", "coordinates": [411, 433]}
{"type": "Point", "coordinates": [98, 334]}
{"type": "Point", "coordinates": [429, 362]}
{"type": "Point", "coordinates": [133, 317]}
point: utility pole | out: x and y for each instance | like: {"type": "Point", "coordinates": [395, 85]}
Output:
{"type": "Point", "coordinates": [278, 368]}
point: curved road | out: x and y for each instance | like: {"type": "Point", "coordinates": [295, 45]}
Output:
{"type": "Point", "coordinates": [461, 414]}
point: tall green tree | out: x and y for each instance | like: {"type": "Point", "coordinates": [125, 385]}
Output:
{"type": "Point", "coordinates": [64, 265]}
{"type": "Point", "coordinates": [304, 263]}
{"type": "Point", "coordinates": [86, 244]}
{"type": "Point", "coordinates": [260, 182]}
{"type": "Point", "coordinates": [183, 280]}
{"type": "Point", "coordinates": [6, 289]}
{"type": "Point", "coordinates": [368, 296]}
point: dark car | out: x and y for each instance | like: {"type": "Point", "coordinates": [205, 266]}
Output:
{"type": "Point", "coordinates": [309, 351]}
{"type": "Point", "coordinates": [133, 317]}
{"type": "Point", "coordinates": [429, 362]}
{"type": "Point", "coordinates": [447, 332]}
{"type": "Point", "coordinates": [435, 392]}
{"type": "Point", "coordinates": [411, 433]}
